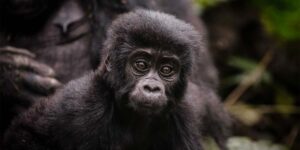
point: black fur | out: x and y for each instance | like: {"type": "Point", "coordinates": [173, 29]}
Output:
{"type": "Point", "coordinates": [68, 56]}
{"type": "Point", "coordinates": [85, 113]}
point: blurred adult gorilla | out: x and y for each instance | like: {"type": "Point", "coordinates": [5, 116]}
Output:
{"type": "Point", "coordinates": [141, 98]}
{"type": "Point", "coordinates": [54, 36]}
{"type": "Point", "coordinates": [53, 39]}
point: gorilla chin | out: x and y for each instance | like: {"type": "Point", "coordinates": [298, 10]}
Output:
{"type": "Point", "coordinates": [147, 103]}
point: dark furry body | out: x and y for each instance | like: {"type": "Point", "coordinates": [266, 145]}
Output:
{"type": "Point", "coordinates": [81, 117]}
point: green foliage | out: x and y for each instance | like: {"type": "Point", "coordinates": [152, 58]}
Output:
{"type": "Point", "coordinates": [245, 66]}
{"type": "Point", "coordinates": [284, 98]}
{"type": "Point", "coordinates": [248, 115]}
{"type": "Point", "coordinates": [210, 144]}
{"type": "Point", "coordinates": [207, 3]}
{"type": "Point", "coordinates": [281, 17]}
{"type": "Point", "coordinates": [243, 143]}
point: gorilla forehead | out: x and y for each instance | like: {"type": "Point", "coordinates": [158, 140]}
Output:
{"type": "Point", "coordinates": [143, 28]}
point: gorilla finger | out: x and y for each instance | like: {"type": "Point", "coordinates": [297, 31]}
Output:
{"type": "Point", "coordinates": [39, 84]}
{"type": "Point", "coordinates": [17, 51]}
{"type": "Point", "coordinates": [26, 63]}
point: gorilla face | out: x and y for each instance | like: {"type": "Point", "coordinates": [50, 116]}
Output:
{"type": "Point", "coordinates": [149, 61]}
{"type": "Point", "coordinates": [154, 73]}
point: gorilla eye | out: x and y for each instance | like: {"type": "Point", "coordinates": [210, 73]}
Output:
{"type": "Point", "coordinates": [166, 70]}
{"type": "Point", "coordinates": [141, 65]}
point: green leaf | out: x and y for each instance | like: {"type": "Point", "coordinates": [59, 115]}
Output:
{"type": "Point", "coordinates": [247, 114]}
{"type": "Point", "coordinates": [210, 144]}
{"type": "Point", "coordinates": [284, 100]}
{"type": "Point", "coordinates": [246, 66]}
{"type": "Point", "coordinates": [244, 143]}
{"type": "Point", "coordinates": [207, 3]}
{"type": "Point", "coordinates": [243, 64]}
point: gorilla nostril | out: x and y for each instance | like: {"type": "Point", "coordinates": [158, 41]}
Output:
{"type": "Point", "coordinates": [150, 88]}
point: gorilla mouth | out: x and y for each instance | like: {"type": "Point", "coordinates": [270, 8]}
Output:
{"type": "Point", "coordinates": [146, 106]}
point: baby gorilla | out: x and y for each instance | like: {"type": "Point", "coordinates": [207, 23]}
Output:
{"type": "Point", "coordinates": [140, 98]}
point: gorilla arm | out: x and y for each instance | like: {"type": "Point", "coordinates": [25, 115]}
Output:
{"type": "Point", "coordinates": [214, 121]}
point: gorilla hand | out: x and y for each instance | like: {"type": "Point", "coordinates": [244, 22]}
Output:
{"type": "Point", "coordinates": [24, 78]}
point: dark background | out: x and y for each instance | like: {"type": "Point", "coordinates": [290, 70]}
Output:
{"type": "Point", "coordinates": [256, 47]}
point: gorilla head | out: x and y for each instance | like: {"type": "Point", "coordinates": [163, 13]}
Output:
{"type": "Point", "coordinates": [148, 61]}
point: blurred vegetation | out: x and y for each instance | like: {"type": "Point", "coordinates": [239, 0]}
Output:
{"type": "Point", "coordinates": [207, 3]}
{"type": "Point", "coordinates": [244, 143]}
{"type": "Point", "coordinates": [259, 63]}
{"type": "Point", "coordinates": [281, 17]}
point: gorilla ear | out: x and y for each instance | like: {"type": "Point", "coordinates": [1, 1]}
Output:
{"type": "Point", "coordinates": [107, 64]}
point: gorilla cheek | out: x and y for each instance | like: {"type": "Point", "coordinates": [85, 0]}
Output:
{"type": "Point", "coordinates": [148, 97]}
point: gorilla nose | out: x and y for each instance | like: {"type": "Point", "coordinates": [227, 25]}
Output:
{"type": "Point", "coordinates": [151, 88]}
